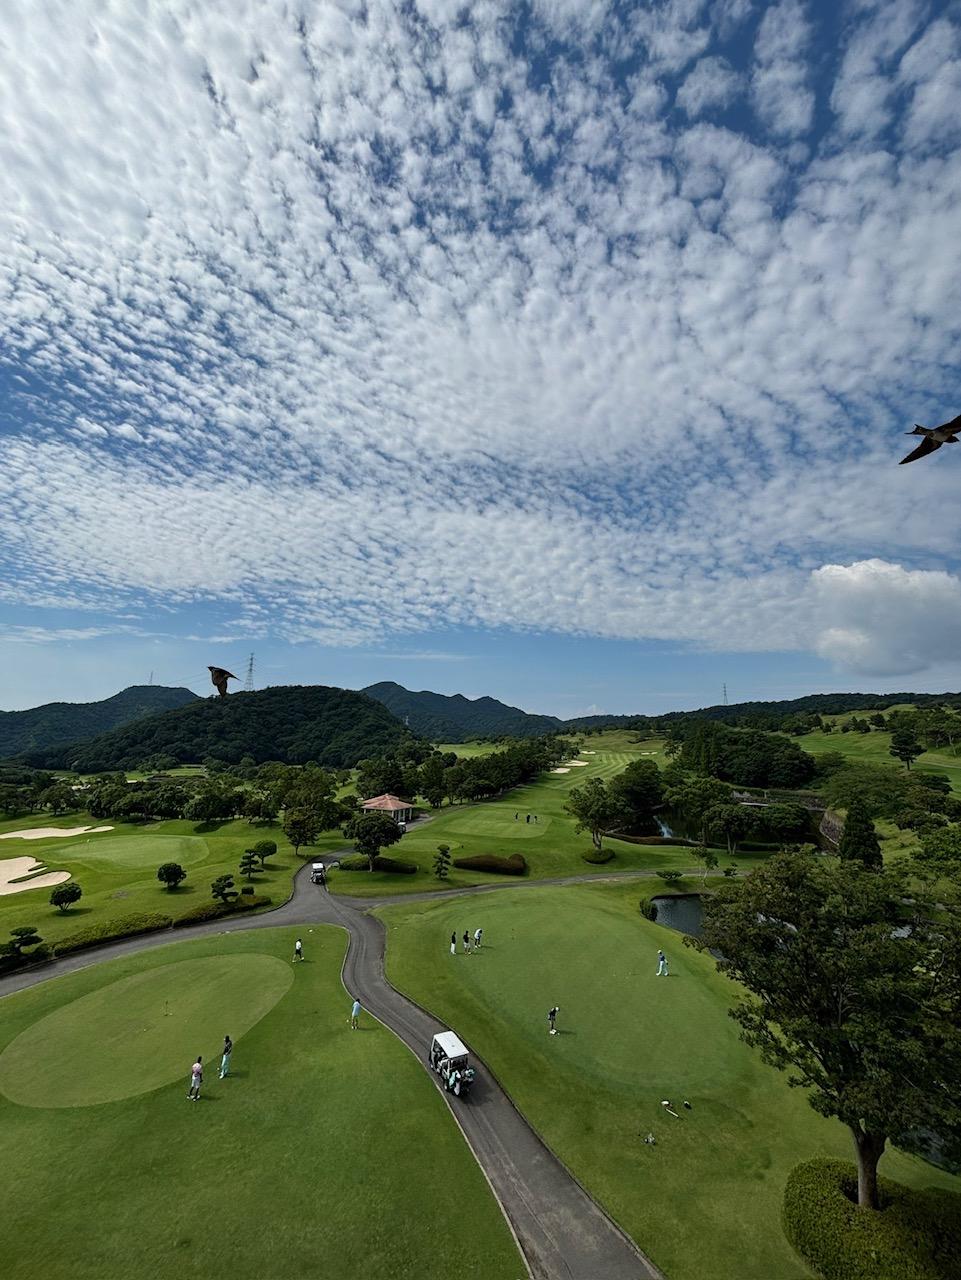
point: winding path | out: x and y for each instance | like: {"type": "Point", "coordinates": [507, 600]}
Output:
{"type": "Point", "coordinates": [562, 1232]}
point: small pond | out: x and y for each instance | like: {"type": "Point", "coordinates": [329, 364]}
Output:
{"type": "Point", "coordinates": [680, 911]}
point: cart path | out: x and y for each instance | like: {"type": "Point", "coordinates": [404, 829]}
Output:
{"type": "Point", "coordinates": [563, 1233]}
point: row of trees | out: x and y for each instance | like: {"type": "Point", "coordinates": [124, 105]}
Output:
{"type": "Point", "coordinates": [748, 757]}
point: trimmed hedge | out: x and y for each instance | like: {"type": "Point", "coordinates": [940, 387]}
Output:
{"type": "Point", "coordinates": [916, 1235]}
{"type": "Point", "coordinates": [648, 909]}
{"type": "Point", "coordinates": [111, 930]}
{"type": "Point", "coordinates": [515, 865]}
{"type": "Point", "coordinates": [381, 863]}
{"type": "Point", "coordinates": [598, 859]}
{"type": "Point", "coordinates": [215, 910]}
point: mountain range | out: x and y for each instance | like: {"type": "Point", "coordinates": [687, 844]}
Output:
{"type": "Point", "coordinates": [60, 723]}
{"type": "Point", "coordinates": [454, 718]}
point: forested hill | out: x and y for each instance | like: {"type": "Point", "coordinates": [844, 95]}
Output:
{"type": "Point", "coordinates": [458, 719]}
{"type": "Point", "coordinates": [290, 723]}
{"type": "Point", "coordinates": [59, 723]}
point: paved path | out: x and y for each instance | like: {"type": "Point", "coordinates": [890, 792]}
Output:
{"type": "Point", "coordinates": [562, 1232]}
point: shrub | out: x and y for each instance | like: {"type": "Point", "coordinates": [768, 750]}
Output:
{"type": "Point", "coordinates": [648, 909]}
{"type": "Point", "coordinates": [916, 1235]}
{"type": "Point", "coordinates": [10, 960]}
{"type": "Point", "coordinates": [111, 930]}
{"type": "Point", "coordinates": [598, 858]}
{"type": "Point", "coordinates": [215, 910]}
{"type": "Point", "coordinates": [247, 890]}
{"type": "Point", "coordinates": [515, 865]}
{"type": "Point", "coordinates": [381, 863]}
{"type": "Point", "coordinates": [670, 877]}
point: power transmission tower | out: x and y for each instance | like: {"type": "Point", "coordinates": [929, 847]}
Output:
{"type": "Point", "coordinates": [150, 681]}
{"type": "Point", "coordinates": [725, 695]}
{"type": "Point", "coordinates": [249, 682]}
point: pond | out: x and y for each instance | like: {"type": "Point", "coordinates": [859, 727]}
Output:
{"type": "Point", "coordinates": [680, 911]}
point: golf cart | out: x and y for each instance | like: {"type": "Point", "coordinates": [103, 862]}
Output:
{"type": "Point", "coordinates": [449, 1058]}
{"type": "Point", "coordinates": [318, 873]}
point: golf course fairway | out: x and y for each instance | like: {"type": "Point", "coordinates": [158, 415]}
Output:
{"type": "Point", "coordinates": [704, 1201]}
{"type": "Point", "coordinates": [326, 1152]}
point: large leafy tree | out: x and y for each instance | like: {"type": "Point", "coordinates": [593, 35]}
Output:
{"type": "Point", "coordinates": [171, 874]}
{"type": "Point", "coordinates": [301, 826]}
{"type": "Point", "coordinates": [694, 796]}
{"type": "Point", "coordinates": [372, 832]}
{"type": "Point", "coordinates": [732, 822]}
{"type": "Point", "coordinates": [640, 788]}
{"type": "Point", "coordinates": [65, 895]}
{"type": "Point", "coordinates": [859, 839]}
{"type": "Point", "coordinates": [905, 746]}
{"type": "Point", "coordinates": [595, 808]}
{"type": "Point", "coordinates": [854, 987]}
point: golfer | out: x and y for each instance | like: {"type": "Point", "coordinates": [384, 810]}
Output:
{"type": "Point", "coordinates": [453, 944]}
{"type": "Point", "coordinates": [466, 943]}
{"type": "Point", "coordinates": [298, 950]}
{"type": "Point", "coordinates": [225, 1059]}
{"type": "Point", "coordinates": [196, 1079]}
{"type": "Point", "coordinates": [662, 965]}
{"type": "Point", "coordinates": [477, 938]}
{"type": "Point", "coordinates": [354, 1015]}
{"type": "Point", "coordinates": [551, 1017]}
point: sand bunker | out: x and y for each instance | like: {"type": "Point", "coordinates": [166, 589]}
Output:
{"type": "Point", "coordinates": [12, 869]}
{"type": "Point", "coordinates": [581, 764]}
{"type": "Point", "coordinates": [588, 753]}
{"type": "Point", "coordinates": [560, 771]}
{"type": "Point", "coordinates": [48, 833]}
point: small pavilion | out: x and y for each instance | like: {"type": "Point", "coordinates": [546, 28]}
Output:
{"type": "Point", "coordinates": [399, 810]}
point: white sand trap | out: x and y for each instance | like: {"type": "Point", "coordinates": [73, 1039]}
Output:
{"type": "Point", "coordinates": [560, 771]}
{"type": "Point", "coordinates": [588, 753]}
{"type": "Point", "coordinates": [46, 833]}
{"type": "Point", "coordinates": [13, 868]}
{"type": "Point", "coordinates": [580, 764]}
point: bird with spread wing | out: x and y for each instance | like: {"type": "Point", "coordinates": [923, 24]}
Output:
{"type": "Point", "coordinates": [219, 678]}
{"type": "Point", "coordinates": [934, 438]}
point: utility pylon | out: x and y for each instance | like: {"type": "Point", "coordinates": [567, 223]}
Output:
{"type": "Point", "coordinates": [725, 695]}
{"type": "Point", "coordinates": [249, 682]}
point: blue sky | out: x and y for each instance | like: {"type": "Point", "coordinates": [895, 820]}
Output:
{"type": "Point", "coordinates": [554, 351]}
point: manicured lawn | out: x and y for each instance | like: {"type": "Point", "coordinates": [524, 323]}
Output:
{"type": "Point", "coordinates": [872, 748]}
{"type": "Point", "coordinates": [326, 1153]}
{"type": "Point", "coordinates": [704, 1202]}
{"type": "Point", "coordinates": [117, 869]}
{"type": "Point", "coordinates": [550, 844]}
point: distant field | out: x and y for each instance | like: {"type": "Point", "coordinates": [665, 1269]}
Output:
{"type": "Point", "coordinates": [117, 869]}
{"type": "Point", "coordinates": [873, 748]}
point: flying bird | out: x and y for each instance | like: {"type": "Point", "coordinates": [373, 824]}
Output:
{"type": "Point", "coordinates": [219, 678]}
{"type": "Point", "coordinates": [934, 438]}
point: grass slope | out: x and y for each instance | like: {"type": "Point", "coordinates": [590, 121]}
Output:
{"type": "Point", "coordinates": [704, 1202]}
{"type": "Point", "coordinates": [551, 846]}
{"type": "Point", "coordinates": [117, 869]}
{"type": "Point", "coordinates": [327, 1153]}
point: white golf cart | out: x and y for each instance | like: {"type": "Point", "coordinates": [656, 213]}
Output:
{"type": "Point", "coordinates": [449, 1058]}
{"type": "Point", "coordinates": [318, 873]}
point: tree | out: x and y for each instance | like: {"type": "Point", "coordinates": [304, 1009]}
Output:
{"type": "Point", "coordinates": [708, 859]}
{"type": "Point", "coordinates": [260, 807]}
{"type": "Point", "coordinates": [25, 936]}
{"type": "Point", "coordinates": [640, 789]}
{"type": "Point", "coordinates": [595, 809]}
{"type": "Point", "coordinates": [58, 798]}
{"type": "Point", "coordinates": [941, 850]}
{"type": "Point", "coordinates": [372, 832]}
{"type": "Point", "coordinates": [65, 895]}
{"type": "Point", "coordinates": [732, 821]}
{"type": "Point", "coordinates": [223, 888]}
{"type": "Point", "coordinates": [442, 861]}
{"type": "Point", "coordinates": [859, 839]}
{"type": "Point", "coordinates": [171, 874]}
{"type": "Point", "coordinates": [300, 827]}
{"type": "Point", "coordinates": [866, 1015]}
{"type": "Point", "coordinates": [784, 820]}
{"type": "Point", "coordinates": [905, 746]}
{"type": "Point", "coordinates": [249, 863]}
{"type": "Point", "coordinates": [693, 796]}
{"type": "Point", "coordinates": [264, 849]}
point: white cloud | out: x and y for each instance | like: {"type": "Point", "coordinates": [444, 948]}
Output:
{"type": "Point", "coordinates": [783, 99]}
{"type": "Point", "coordinates": [358, 331]}
{"type": "Point", "coordinates": [881, 619]}
{"type": "Point", "coordinates": [711, 84]}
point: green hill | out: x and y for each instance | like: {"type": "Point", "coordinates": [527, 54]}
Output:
{"type": "Point", "coordinates": [57, 723]}
{"type": "Point", "coordinates": [291, 723]}
{"type": "Point", "coordinates": [456, 718]}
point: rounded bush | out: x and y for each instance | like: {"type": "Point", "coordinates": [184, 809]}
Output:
{"type": "Point", "coordinates": [598, 859]}
{"type": "Point", "coordinates": [916, 1235]}
{"type": "Point", "coordinates": [381, 863]}
{"type": "Point", "coordinates": [515, 865]}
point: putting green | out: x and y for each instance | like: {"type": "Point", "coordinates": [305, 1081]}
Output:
{"type": "Point", "coordinates": [141, 1032]}
{"type": "Point", "coordinates": [125, 851]}
{"type": "Point", "coordinates": [497, 826]}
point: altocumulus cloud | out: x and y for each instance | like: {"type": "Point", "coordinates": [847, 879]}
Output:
{"type": "Point", "coordinates": [306, 302]}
